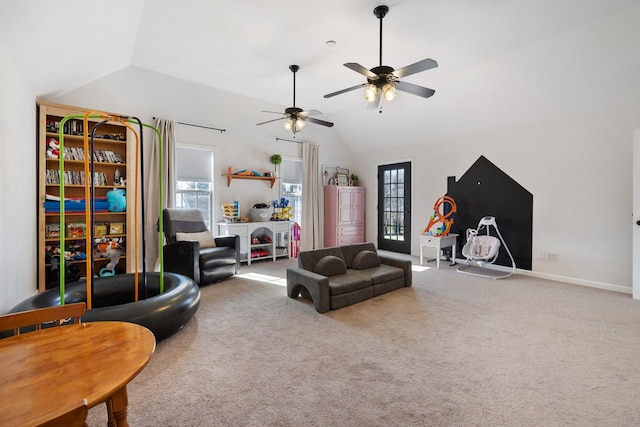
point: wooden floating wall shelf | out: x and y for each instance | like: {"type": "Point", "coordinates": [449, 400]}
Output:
{"type": "Point", "coordinates": [231, 177]}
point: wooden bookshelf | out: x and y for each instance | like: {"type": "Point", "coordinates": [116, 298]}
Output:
{"type": "Point", "coordinates": [113, 151]}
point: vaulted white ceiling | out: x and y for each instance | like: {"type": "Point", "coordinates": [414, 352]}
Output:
{"type": "Point", "coordinates": [501, 62]}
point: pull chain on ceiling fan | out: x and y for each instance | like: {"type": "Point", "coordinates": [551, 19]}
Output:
{"type": "Point", "coordinates": [294, 117]}
{"type": "Point", "coordinates": [382, 81]}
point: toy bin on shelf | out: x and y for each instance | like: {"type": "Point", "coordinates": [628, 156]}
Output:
{"type": "Point", "coordinates": [259, 214]}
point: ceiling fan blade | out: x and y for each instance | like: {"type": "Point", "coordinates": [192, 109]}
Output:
{"type": "Point", "coordinates": [274, 112]}
{"type": "Point", "coordinates": [310, 113]}
{"type": "Point", "coordinates": [415, 89]}
{"type": "Point", "coordinates": [269, 121]}
{"type": "Point", "coordinates": [329, 95]}
{"type": "Point", "coordinates": [424, 65]}
{"type": "Point", "coordinates": [319, 122]}
{"type": "Point", "coordinates": [359, 69]}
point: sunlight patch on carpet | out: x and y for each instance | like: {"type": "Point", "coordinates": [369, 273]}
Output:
{"type": "Point", "coordinates": [264, 278]}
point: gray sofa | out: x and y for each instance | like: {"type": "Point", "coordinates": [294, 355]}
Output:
{"type": "Point", "coordinates": [343, 275]}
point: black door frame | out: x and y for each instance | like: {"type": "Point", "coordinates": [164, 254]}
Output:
{"type": "Point", "coordinates": [397, 208]}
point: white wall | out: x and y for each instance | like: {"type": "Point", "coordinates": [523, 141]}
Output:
{"type": "Point", "coordinates": [18, 191]}
{"type": "Point", "coordinates": [145, 94]}
{"type": "Point", "coordinates": [579, 170]}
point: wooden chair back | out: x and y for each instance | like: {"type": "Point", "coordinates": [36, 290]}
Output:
{"type": "Point", "coordinates": [68, 313]}
{"type": "Point", "coordinates": [76, 417]}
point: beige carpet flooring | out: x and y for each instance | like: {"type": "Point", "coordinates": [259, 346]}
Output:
{"type": "Point", "coordinates": [453, 350]}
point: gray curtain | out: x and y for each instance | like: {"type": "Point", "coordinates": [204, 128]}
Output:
{"type": "Point", "coordinates": [165, 173]}
{"type": "Point", "coordinates": [312, 232]}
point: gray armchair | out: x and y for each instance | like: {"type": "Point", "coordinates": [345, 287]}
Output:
{"type": "Point", "coordinates": [187, 257]}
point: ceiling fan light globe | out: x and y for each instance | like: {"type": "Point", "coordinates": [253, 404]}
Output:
{"type": "Point", "coordinates": [299, 124]}
{"type": "Point", "coordinates": [389, 92]}
{"type": "Point", "coordinates": [288, 123]}
{"type": "Point", "coordinates": [371, 93]}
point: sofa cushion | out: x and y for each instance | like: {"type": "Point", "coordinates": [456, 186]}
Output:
{"type": "Point", "coordinates": [365, 259]}
{"type": "Point", "coordinates": [384, 273]}
{"type": "Point", "coordinates": [349, 252]}
{"type": "Point", "coordinates": [388, 286]}
{"type": "Point", "coordinates": [309, 259]}
{"type": "Point", "coordinates": [205, 238]}
{"type": "Point", "coordinates": [353, 297]}
{"type": "Point", "coordinates": [330, 266]}
{"type": "Point", "coordinates": [352, 280]}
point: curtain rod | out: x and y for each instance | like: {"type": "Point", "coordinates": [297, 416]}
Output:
{"type": "Point", "coordinates": [202, 126]}
{"type": "Point", "coordinates": [288, 140]}
{"type": "Point", "coordinates": [199, 126]}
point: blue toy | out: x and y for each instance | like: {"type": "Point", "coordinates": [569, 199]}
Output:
{"type": "Point", "coordinates": [106, 272]}
{"type": "Point", "coordinates": [283, 212]}
{"type": "Point", "coordinates": [117, 200]}
{"type": "Point", "coordinates": [283, 203]}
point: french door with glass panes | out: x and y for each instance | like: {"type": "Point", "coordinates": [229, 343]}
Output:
{"type": "Point", "coordinates": [394, 207]}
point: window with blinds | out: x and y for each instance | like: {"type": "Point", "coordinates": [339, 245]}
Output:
{"type": "Point", "coordinates": [194, 176]}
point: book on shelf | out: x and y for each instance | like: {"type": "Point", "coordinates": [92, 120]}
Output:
{"type": "Point", "coordinates": [75, 177]}
{"type": "Point", "coordinates": [72, 177]}
{"type": "Point", "coordinates": [100, 228]}
{"type": "Point", "coordinates": [71, 127]}
{"type": "Point", "coordinates": [52, 231]}
{"type": "Point", "coordinates": [73, 153]}
{"type": "Point", "coordinates": [106, 156]}
{"type": "Point", "coordinates": [76, 229]}
{"type": "Point", "coordinates": [116, 228]}
{"type": "Point", "coordinates": [99, 156]}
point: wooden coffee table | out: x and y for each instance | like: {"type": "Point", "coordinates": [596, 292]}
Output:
{"type": "Point", "coordinates": [43, 372]}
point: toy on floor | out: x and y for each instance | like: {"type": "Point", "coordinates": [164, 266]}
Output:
{"type": "Point", "coordinates": [440, 217]}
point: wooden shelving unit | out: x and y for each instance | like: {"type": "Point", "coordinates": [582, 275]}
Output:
{"type": "Point", "coordinates": [115, 152]}
{"type": "Point", "coordinates": [231, 177]}
{"type": "Point", "coordinates": [253, 245]}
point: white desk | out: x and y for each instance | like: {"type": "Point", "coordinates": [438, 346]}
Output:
{"type": "Point", "coordinates": [439, 243]}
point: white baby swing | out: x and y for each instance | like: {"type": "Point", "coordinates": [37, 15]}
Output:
{"type": "Point", "coordinates": [481, 250]}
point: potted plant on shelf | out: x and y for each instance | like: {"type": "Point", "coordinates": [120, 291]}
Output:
{"type": "Point", "coordinates": [275, 159]}
{"type": "Point", "coordinates": [354, 179]}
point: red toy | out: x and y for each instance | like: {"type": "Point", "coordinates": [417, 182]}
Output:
{"type": "Point", "coordinates": [53, 152]}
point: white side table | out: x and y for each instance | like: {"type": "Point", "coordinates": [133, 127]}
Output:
{"type": "Point", "coordinates": [438, 242]}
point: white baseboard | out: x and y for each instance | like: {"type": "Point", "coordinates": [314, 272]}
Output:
{"type": "Point", "coordinates": [576, 281]}
{"type": "Point", "coordinates": [558, 278]}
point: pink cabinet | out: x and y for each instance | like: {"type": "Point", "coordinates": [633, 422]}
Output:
{"type": "Point", "coordinates": [344, 216]}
